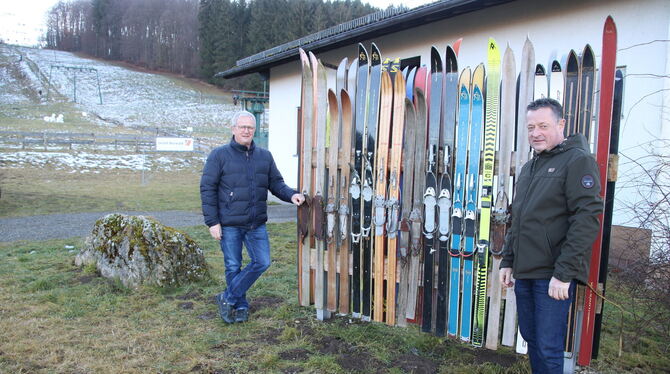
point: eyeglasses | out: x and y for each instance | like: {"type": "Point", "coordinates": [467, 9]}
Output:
{"type": "Point", "coordinates": [246, 128]}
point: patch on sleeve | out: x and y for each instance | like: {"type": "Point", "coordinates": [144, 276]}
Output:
{"type": "Point", "coordinates": [588, 181]}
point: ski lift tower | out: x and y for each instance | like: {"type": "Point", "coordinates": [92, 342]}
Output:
{"type": "Point", "coordinates": [254, 102]}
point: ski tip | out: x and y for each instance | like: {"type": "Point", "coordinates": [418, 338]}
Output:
{"type": "Point", "coordinates": [479, 73]}
{"type": "Point", "coordinates": [362, 55]}
{"type": "Point", "coordinates": [375, 56]}
{"type": "Point", "coordinates": [492, 44]}
{"type": "Point", "coordinates": [303, 57]}
{"type": "Point", "coordinates": [343, 64]}
{"type": "Point", "coordinates": [451, 60]}
{"type": "Point", "coordinates": [588, 57]}
{"type": "Point", "coordinates": [555, 66]}
{"type": "Point", "coordinates": [539, 70]}
{"type": "Point", "coordinates": [435, 60]}
{"type": "Point", "coordinates": [457, 45]}
{"type": "Point", "coordinates": [610, 26]}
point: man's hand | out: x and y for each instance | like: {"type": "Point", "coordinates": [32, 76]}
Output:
{"type": "Point", "coordinates": [298, 199]}
{"type": "Point", "coordinates": [506, 277]}
{"type": "Point", "coordinates": [215, 231]}
{"type": "Point", "coordinates": [559, 290]}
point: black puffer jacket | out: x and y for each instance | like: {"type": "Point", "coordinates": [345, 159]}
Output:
{"type": "Point", "coordinates": [235, 183]}
{"type": "Point", "coordinates": [555, 214]}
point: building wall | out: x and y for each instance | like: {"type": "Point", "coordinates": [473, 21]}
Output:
{"type": "Point", "coordinates": [554, 28]}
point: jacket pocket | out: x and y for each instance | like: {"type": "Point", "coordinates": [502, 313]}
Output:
{"type": "Point", "coordinates": [228, 198]}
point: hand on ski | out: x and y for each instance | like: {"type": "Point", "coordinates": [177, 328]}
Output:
{"type": "Point", "coordinates": [506, 277]}
{"type": "Point", "coordinates": [558, 290]}
{"type": "Point", "coordinates": [298, 199]}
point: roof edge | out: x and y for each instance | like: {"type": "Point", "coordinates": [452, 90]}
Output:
{"type": "Point", "coordinates": [371, 25]}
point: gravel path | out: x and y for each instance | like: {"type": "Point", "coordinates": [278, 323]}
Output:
{"type": "Point", "coordinates": [63, 226]}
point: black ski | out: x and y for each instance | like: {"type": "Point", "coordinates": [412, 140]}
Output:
{"type": "Point", "coordinates": [356, 173]}
{"type": "Point", "coordinates": [430, 194]}
{"type": "Point", "coordinates": [368, 176]}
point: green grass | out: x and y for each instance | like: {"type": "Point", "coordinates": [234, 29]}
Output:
{"type": "Point", "coordinates": [31, 191]}
{"type": "Point", "coordinates": [56, 318]}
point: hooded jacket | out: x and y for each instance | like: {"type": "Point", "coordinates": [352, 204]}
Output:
{"type": "Point", "coordinates": [555, 214]}
{"type": "Point", "coordinates": [235, 183]}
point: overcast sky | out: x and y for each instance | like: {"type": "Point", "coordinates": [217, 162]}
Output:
{"type": "Point", "coordinates": [23, 21]}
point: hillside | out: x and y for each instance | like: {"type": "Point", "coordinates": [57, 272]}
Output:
{"type": "Point", "coordinates": [131, 99]}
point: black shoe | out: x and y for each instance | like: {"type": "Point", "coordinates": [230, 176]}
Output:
{"type": "Point", "coordinates": [241, 315]}
{"type": "Point", "coordinates": [226, 311]}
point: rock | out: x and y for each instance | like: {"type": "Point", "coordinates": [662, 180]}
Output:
{"type": "Point", "coordinates": [139, 250]}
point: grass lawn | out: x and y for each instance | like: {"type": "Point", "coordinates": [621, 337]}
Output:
{"type": "Point", "coordinates": [31, 191]}
{"type": "Point", "coordinates": [57, 318]}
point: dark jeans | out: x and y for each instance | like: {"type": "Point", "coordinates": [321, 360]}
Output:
{"type": "Point", "coordinates": [239, 280]}
{"type": "Point", "coordinates": [543, 322]}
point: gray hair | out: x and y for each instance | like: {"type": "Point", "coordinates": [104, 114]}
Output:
{"type": "Point", "coordinates": [240, 114]}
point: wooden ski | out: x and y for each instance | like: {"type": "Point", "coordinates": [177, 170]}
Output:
{"type": "Point", "coordinates": [393, 197]}
{"type": "Point", "coordinates": [409, 150]}
{"type": "Point", "coordinates": [320, 120]}
{"type": "Point", "coordinates": [332, 199]}
{"type": "Point", "coordinates": [344, 206]}
{"type": "Point", "coordinates": [416, 219]}
{"type": "Point", "coordinates": [607, 72]}
{"type": "Point", "coordinates": [304, 212]}
{"type": "Point", "coordinates": [501, 212]}
{"type": "Point", "coordinates": [381, 170]}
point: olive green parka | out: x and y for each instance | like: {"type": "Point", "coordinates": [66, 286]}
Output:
{"type": "Point", "coordinates": [555, 214]}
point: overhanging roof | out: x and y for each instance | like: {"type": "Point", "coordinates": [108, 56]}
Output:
{"type": "Point", "coordinates": [363, 28]}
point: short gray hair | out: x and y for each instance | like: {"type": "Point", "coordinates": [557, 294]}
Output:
{"type": "Point", "coordinates": [240, 114]}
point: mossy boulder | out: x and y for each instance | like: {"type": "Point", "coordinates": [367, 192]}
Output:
{"type": "Point", "coordinates": [140, 250]}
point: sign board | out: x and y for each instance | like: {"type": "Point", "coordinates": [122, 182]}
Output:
{"type": "Point", "coordinates": [174, 144]}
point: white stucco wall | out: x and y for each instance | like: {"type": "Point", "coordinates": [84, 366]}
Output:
{"type": "Point", "coordinates": [554, 28]}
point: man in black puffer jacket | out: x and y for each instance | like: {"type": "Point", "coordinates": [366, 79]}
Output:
{"type": "Point", "coordinates": [234, 188]}
{"type": "Point", "coordinates": [554, 224]}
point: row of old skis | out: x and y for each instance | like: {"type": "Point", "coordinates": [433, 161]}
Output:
{"type": "Point", "coordinates": [409, 177]}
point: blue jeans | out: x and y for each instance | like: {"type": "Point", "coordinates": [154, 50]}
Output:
{"type": "Point", "coordinates": [239, 280]}
{"type": "Point", "coordinates": [543, 322]}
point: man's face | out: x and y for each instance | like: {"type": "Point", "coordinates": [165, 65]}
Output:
{"type": "Point", "coordinates": [545, 131]}
{"type": "Point", "coordinates": [243, 131]}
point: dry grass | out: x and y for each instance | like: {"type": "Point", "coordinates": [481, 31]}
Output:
{"type": "Point", "coordinates": [31, 191]}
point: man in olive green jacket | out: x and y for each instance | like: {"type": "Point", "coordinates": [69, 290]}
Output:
{"type": "Point", "coordinates": [554, 224]}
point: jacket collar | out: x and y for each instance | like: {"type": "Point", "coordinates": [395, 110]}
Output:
{"type": "Point", "coordinates": [572, 141]}
{"type": "Point", "coordinates": [239, 147]}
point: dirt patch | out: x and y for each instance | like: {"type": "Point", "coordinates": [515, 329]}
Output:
{"type": "Point", "coordinates": [185, 306]}
{"type": "Point", "coordinates": [334, 345]}
{"type": "Point", "coordinates": [295, 354]}
{"type": "Point", "coordinates": [482, 355]}
{"type": "Point", "coordinates": [189, 296]}
{"type": "Point", "coordinates": [359, 362]}
{"type": "Point", "coordinates": [264, 302]}
{"type": "Point", "coordinates": [487, 355]}
{"type": "Point", "coordinates": [414, 364]}
{"type": "Point", "coordinates": [271, 336]}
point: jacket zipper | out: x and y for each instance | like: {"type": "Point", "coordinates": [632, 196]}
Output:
{"type": "Point", "coordinates": [518, 230]}
{"type": "Point", "coordinates": [252, 210]}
